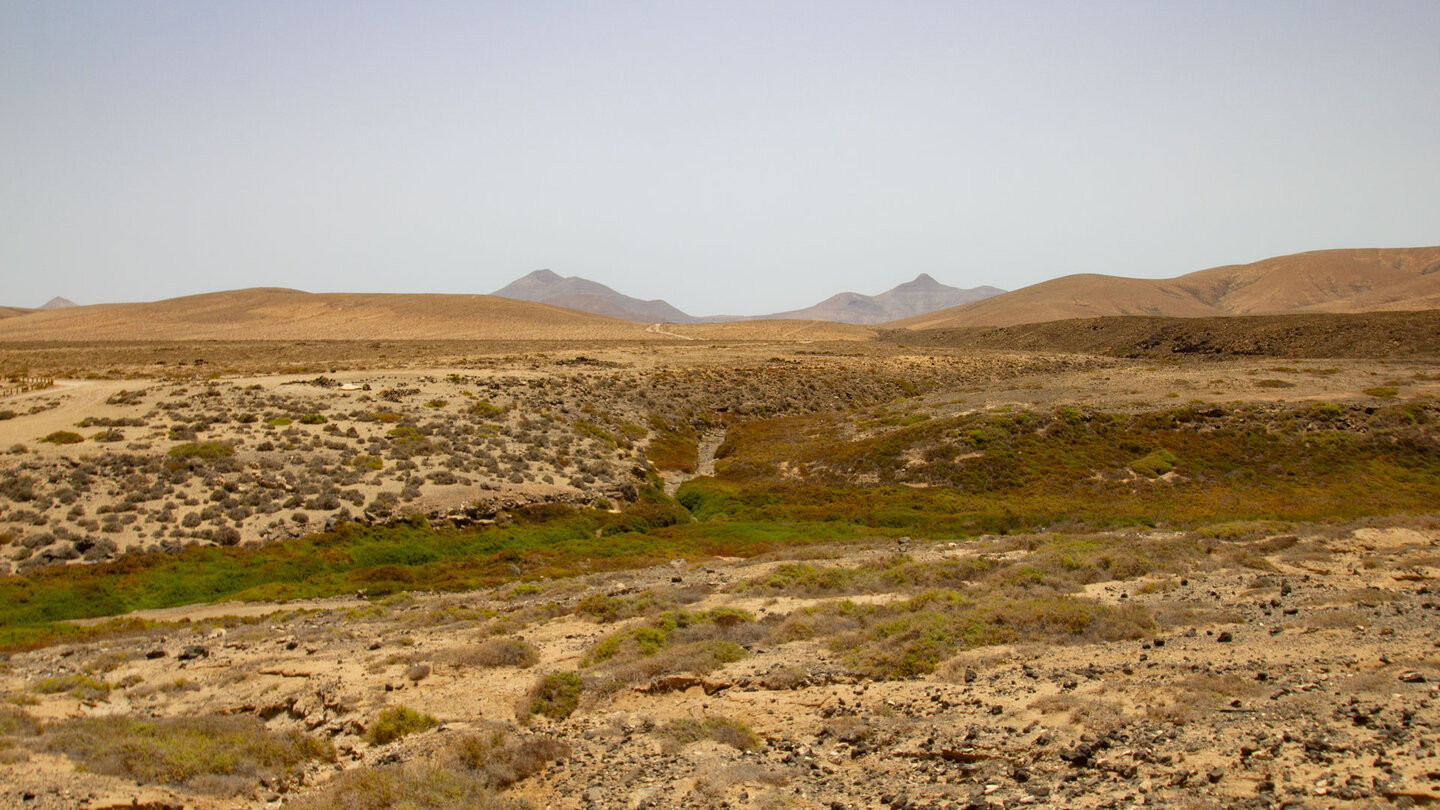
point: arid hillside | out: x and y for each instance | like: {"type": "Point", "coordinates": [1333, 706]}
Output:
{"type": "Point", "coordinates": [1318, 281]}
{"type": "Point", "coordinates": [281, 314]}
{"type": "Point", "coordinates": [1376, 335]}
{"type": "Point", "coordinates": [273, 314]}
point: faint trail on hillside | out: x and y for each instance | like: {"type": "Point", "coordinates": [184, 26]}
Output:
{"type": "Point", "coordinates": [659, 329]}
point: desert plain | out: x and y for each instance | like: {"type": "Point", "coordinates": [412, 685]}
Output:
{"type": "Point", "coordinates": [721, 566]}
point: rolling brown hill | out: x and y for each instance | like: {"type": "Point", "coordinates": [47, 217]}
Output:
{"type": "Point", "coordinates": [1375, 335]}
{"type": "Point", "coordinates": [1360, 280]}
{"type": "Point", "coordinates": [10, 312]}
{"type": "Point", "coordinates": [269, 313]}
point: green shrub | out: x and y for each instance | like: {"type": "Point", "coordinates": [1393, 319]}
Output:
{"type": "Point", "coordinates": [557, 695]}
{"type": "Point", "coordinates": [279, 421]}
{"type": "Point", "coordinates": [64, 437]}
{"type": "Point", "coordinates": [1155, 464]}
{"type": "Point", "coordinates": [312, 419]}
{"type": "Point", "coordinates": [396, 722]}
{"type": "Point", "coordinates": [436, 403]}
{"type": "Point", "coordinates": [1383, 392]}
{"type": "Point", "coordinates": [207, 451]}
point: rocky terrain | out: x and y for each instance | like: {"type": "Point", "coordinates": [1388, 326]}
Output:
{"type": "Point", "coordinates": [752, 658]}
{"type": "Point", "coordinates": [1294, 669]}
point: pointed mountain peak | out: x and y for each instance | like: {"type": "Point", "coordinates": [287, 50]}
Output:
{"type": "Point", "coordinates": [922, 283]}
{"type": "Point", "coordinates": [545, 276]}
{"type": "Point", "coordinates": [59, 303]}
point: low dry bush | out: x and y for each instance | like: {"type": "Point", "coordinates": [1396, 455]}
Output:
{"type": "Point", "coordinates": [1197, 696]}
{"type": "Point", "coordinates": [722, 730]}
{"type": "Point", "coordinates": [466, 775]}
{"type": "Point", "coordinates": [415, 785]}
{"type": "Point", "coordinates": [494, 652]}
{"type": "Point", "coordinates": [14, 722]}
{"type": "Point", "coordinates": [212, 753]}
{"type": "Point", "coordinates": [502, 759]}
{"type": "Point", "coordinates": [1096, 715]}
{"type": "Point", "coordinates": [913, 637]}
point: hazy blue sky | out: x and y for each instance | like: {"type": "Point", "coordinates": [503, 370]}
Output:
{"type": "Point", "coordinates": [736, 157]}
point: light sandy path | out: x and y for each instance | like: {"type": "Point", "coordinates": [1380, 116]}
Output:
{"type": "Point", "coordinates": [659, 329]}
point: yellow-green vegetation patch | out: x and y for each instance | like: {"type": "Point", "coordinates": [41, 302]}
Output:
{"type": "Point", "coordinates": [83, 687]}
{"type": "Point", "coordinates": [183, 749]}
{"type": "Point", "coordinates": [313, 419]}
{"type": "Point", "coordinates": [367, 462]}
{"type": "Point", "coordinates": [587, 428]}
{"type": "Point", "coordinates": [279, 421]}
{"type": "Point", "coordinates": [671, 628]}
{"type": "Point", "coordinates": [1155, 464]}
{"type": "Point", "coordinates": [396, 722]}
{"type": "Point", "coordinates": [484, 408]}
{"type": "Point", "coordinates": [63, 437]}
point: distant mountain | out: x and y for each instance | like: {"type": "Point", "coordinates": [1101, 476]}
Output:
{"type": "Point", "coordinates": [922, 295]}
{"type": "Point", "coordinates": [546, 287]}
{"type": "Point", "coordinates": [1362, 280]}
{"type": "Point", "coordinates": [59, 303]}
